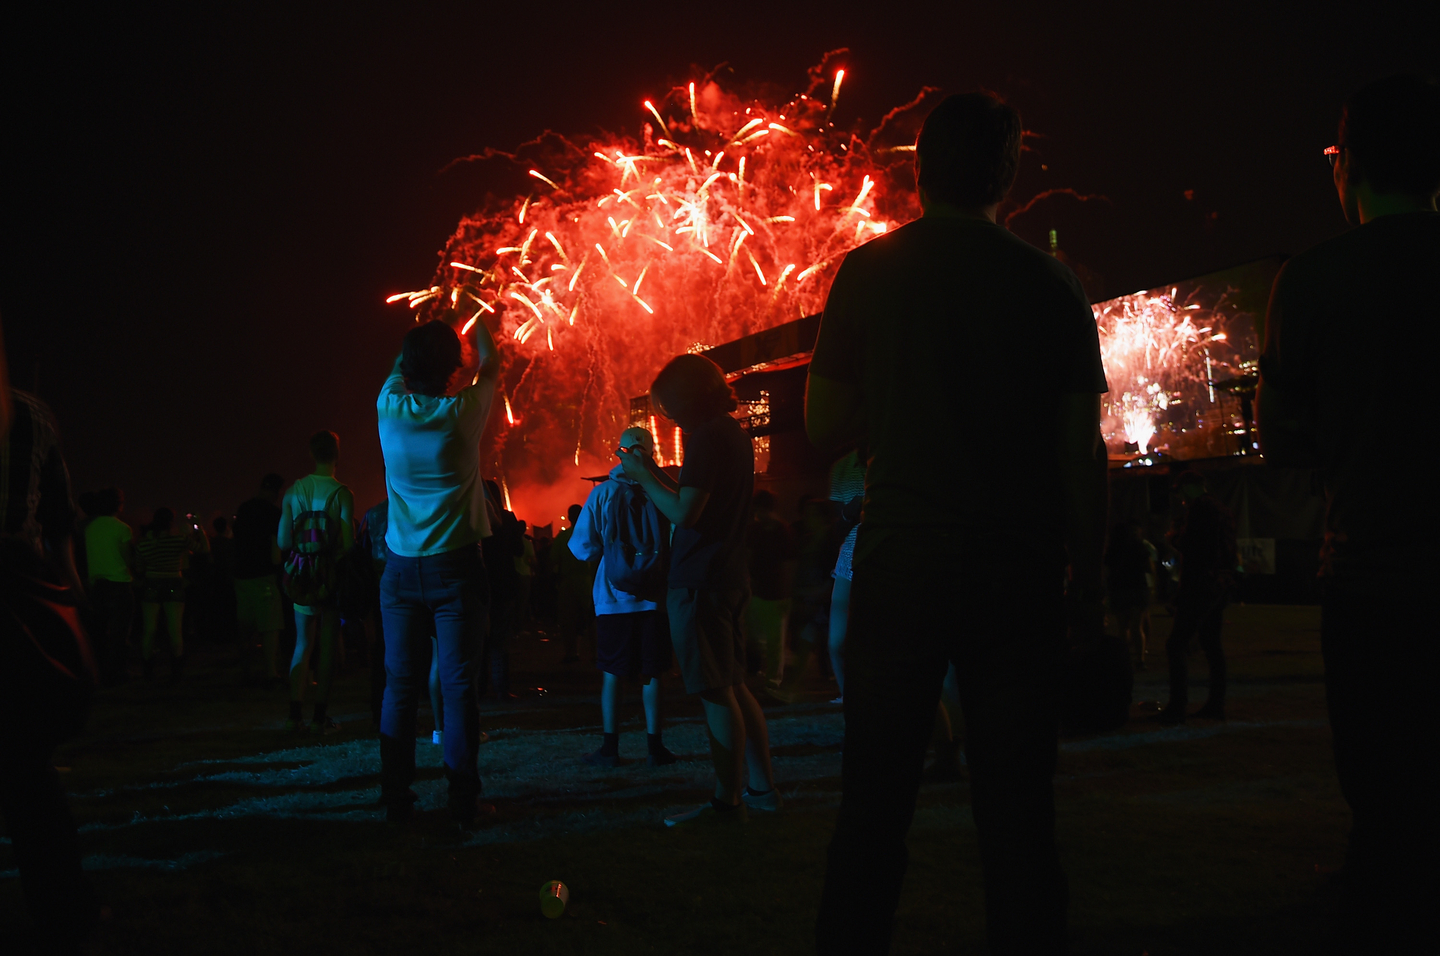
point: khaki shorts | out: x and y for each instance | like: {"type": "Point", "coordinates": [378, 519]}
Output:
{"type": "Point", "coordinates": [706, 630]}
{"type": "Point", "coordinates": [257, 604]}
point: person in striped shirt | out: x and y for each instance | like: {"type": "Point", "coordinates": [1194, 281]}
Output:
{"type": "Point", "coordinates": [161, 553]}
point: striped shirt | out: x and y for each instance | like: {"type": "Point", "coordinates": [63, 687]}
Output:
{"type": "Point", "coordinates": [161, 556]}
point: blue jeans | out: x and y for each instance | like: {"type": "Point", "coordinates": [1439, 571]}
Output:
{"type": "Point", "coordinates": [446, 595]}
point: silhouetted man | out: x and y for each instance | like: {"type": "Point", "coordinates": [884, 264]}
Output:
{"type": "Point", "coordinates": [949, 548]}
{"type": "Point", "coordinates": [1347, 381]}
{"type": "Point", "coordinates": [259, 613]}
{"type": "Point", "coordinates": [432, 411]}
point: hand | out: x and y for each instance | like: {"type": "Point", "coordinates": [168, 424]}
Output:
{"type": "Point", "coordinates": [634, 463]}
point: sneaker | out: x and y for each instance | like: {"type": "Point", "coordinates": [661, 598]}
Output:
{"type": "Point", "coordinates": [769, 800]}
{"type": "Point", "coordinates": [707, 815]}
{"type": "Point", "coordinates": [601, 759]}
{"type": "Point", "coordinates": [838, 700]}
{"type": "Point", "coordinates": [326, 727]}
{"type": "Point", "coordinates": [437, 737]}
{"type": "Point", "coordinates": [660, 758]}
{"type": "Point", "coordinates": [293, 726]}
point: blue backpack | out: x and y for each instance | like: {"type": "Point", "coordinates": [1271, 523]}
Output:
{"type": "Point", "coordinates": [637, 543]}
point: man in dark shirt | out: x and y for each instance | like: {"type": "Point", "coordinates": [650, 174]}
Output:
{"type": "Point", "coordinates": [256, 554]}
{"type": "Point", "coordinates": [770, 552]}
{"type": "Point", "coordinates": [927, 325]}
{"type": "Point", "coordinates": [1346, 382]}
{"type": "Point", "coordinates": [708, 508]}
{"type": "Point", "coordinates": [1205, 541]}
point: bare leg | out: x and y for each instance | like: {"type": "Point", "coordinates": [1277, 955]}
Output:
{"type": "Point", "coordinates": [610, 692]}
{"type": "Point", "coordinates": [300, 661]}
{"type": "Point", "coordinates": [150, 614]}
{"type": "Point", "coordinates": [726, 723]}
{"type": "Point", "coordinates": [757, 740]}
{"type": "Point", "coordinates": [650, 694]}
{"type": "Point", "coordinates": [174, 620]}
{"type": "Point", "coordinates": [839, 622]}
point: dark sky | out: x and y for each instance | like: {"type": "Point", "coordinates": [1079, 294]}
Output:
{"type": "Point", "coordinates": [203, 211]}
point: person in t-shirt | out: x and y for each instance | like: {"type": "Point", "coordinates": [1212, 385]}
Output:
{"type": "Point", "coordinates": [432, 412]}
{"type": "Point", "coordinates": [161, 553]}
{"type": "Point", "coordinates": [709, 507]}
{"type": "Point", "coordinates": [770, 557]}
{"type": "Point", "coordinates": [259, 614]}
{"type": "Point", "coordinates": [1346, 388]}
{"type": "Point", "coordinates": [574, 587]}
{"type": "Point", "coordinates": [318, 623]}
{"type": "Point", "coordinates": [817, 544]}
{"type": "Point", "coordinates": [632, 633]}
{"type": "Point", "coordinates": [1128, 570]}
{"type": "Point", "coordinates": [110, 555]}
{"type": "Point", "coordinates": [925, 325]}
{"type": "Point", "coordinates": [1205, 541]}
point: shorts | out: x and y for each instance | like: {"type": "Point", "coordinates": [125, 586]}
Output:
{"type": "Point", "coordinates": [163, 591]}
{"type": "Point", "coordinates": [257, 604]}
{"type": "Point", "coordinates": [633, 644]}
{"type": "Point", "coordinates": [706, 629]}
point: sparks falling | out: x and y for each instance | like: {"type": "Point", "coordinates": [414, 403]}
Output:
{"type": "Point", "coordinates": [724, 217]}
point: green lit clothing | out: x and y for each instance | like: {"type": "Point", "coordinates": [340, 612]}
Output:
{"type": "Point", "coordinates": [107, 548]}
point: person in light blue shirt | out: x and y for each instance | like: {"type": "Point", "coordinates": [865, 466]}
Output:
{"type": "Point", "coordinates": [432, 412]}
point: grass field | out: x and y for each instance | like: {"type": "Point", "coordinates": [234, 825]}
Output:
{"type": "Point", "coordinates": [207, 830]}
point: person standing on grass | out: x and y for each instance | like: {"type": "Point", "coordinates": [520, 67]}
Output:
{"type": "Point", "coordinates": [632, 633]}
{"type": "Point", "coordinates": [770, 555]}
{"type": "Point", "coordinates": [259, 615]}
{"type": "Point", "coordinates": [940, 574]}
{"type": "Point", "coordinates": [432, 412]}
{"type": "Point", "coordinates": [110, 558]}
{"type": "Point", "coordinates": [709, 506]}
{"type": "Point", "coordinates": [315, 530]}
{"type": "Point", "coordinates": [161, 553]}
{"type": "Point", "coordinates": [574, 589]}
{"type": "Point", "coordinates": [1206, 544]}
{"type": "Point", "coordinates": [847, 490]}
{"type": "Point", "coordinates": [1128, 571]}
{"type": "Point", "coordinates": [1346, 388]}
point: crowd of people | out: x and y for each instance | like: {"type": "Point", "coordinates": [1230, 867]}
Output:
{"type": "Point", "coordinates": [923, 570]}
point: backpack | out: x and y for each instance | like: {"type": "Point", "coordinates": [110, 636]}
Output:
{"type": "Point", "coordinates": [310, 574]}
{"type": "Point", "coordinates": [637, 547]}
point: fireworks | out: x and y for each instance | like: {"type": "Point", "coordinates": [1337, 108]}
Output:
{"type": "Point", "coordinates": [1162, 356]}
{"type": "Point", "coordinates": [725, 216]}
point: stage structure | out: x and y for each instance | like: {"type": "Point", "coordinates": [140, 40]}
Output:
{"type": "Point", "coordinates": [1181, 361]}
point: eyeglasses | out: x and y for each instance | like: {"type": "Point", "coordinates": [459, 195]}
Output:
{"type": "Point", "coordinates": [1332, 153]}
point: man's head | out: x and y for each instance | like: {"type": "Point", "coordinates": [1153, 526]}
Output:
{"type": "Point", "coordinates": [429, 357]}
{"type": "Point", "coordinates": [1190, 485]}
{"type": "Point", "coordinates": [108, 501]}
{"type": "Point", "coordinates": [690, 390]}
{"type": "Point", "coordinates": [637, 437]}
{"type": "Point", "coordinates": [325, 447]}
{"type": "Point", "coordinates": [968, 152]}
{"type": "Point", "coordinates": [270, 487]}
{"type": "Point", "coordinates": [221, 526]}
{"type": "Point", "coordinates": [573, 513]}
{"type": "Point", "coordinates": [763, 503]}
{"type": "Point", "coordinates": [1389, 143]}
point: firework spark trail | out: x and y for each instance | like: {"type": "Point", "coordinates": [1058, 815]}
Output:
{"type": "Point", "coordinates": [1160, 355]}
{"type": "Point", "coordinates": [714, 177]}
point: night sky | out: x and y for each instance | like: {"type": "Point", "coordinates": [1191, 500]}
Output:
{"type": "Point", "coordinates": [204, 211]}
